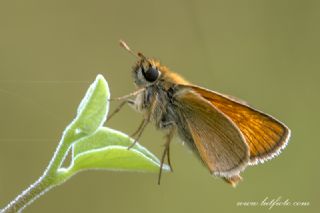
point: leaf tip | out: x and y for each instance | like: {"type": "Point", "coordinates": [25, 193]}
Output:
{"type": "Point", "coordinates": [102, 80]}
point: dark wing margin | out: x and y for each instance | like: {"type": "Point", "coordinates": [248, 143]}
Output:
{"type": "Point", "coordinates": [265, 135]}
{"type": "Point", "coordinates": [219, 142]}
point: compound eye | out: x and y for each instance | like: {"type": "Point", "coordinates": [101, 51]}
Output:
{"type": "Point", "coordinates": [151, 74]}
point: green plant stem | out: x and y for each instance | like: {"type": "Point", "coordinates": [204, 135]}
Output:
{"type": "Point", "coordinates": [48, 180]}
{"type": "Point", "coordinates": [34, 191]}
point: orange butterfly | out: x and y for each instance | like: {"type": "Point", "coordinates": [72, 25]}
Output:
{"type": "Point", "coordinates": [226, 133]}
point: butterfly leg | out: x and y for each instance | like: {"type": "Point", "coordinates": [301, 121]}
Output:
{"type": "Point", "coordinates": [129, 101]}
{"type": "Point", "coordinates": [126, 100]}
{"type": "Point", "coordinates": [129, 95]}
{"type": "Point", "coordinates": [143, 124]}
{"type": "Point", "coordinates": [164, 125]}
{"type": "Point", "coordinates": [139, 131]}
{"type": "Point", "coordinates": [166, 151]}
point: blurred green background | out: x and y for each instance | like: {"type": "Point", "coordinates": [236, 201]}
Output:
{"type": "Point", "coordinates": [265, 52]}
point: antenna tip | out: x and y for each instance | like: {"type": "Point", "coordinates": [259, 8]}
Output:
{"type": "Point", "coordinates": [124, 45]}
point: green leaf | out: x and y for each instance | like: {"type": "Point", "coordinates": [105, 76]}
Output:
{"type": "Point", "coordinates": [108, 149]}
{"type": "Point", "coordinates": [97, 147]}
{"type": "Point", "coordinates": [91, 113]}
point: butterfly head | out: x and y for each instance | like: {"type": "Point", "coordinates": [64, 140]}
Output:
{"type": "Point", "coordinates": [146, 71]}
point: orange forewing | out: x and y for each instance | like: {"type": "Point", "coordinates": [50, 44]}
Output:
{"type": "Point", "coordinates": [264, 135]}
{"type": "Point", "coordinates": [219, 142]}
